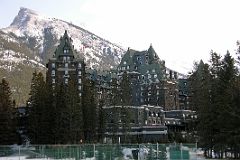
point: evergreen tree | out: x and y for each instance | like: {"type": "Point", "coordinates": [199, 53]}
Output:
{"type": "Point", "coordinates": [38, 111]}
{"type": "Point", "coordinates": [74, 107]}
{"type": "Point", "coordinates": [115, 100]}
{"type": "Point", "coordinates": [89, 110]}
{"type": "Point", "coordinates": [200, 86]}
{"type": "Point", "coordinates": [126, 100]}
{"type": "Point", "coordinates": [225, 106]}
{"type": "Point", "coordinates": [215, 96]}
{"type": "Point", "coordinates": [61, 116]}
{"type": "Point", "coordinates": [7, 117]}
{"type": "Point", "coordinates": [101, 121]}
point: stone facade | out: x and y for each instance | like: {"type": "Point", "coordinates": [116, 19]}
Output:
{"type": "Point", "coordinates": [155, 88]}
{"type": "Point", "coordinates": [152, 83]}
{"type": "Point", "coordinates": [146, 123]}
{"type": "Point", "coordinates": [65, 65]}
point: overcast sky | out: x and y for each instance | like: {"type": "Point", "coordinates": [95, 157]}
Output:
{"type": "Point", "coordinates": [181, 31]}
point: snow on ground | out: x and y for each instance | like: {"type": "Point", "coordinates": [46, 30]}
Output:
{"type": "Point", "coordinates": [26, 158]}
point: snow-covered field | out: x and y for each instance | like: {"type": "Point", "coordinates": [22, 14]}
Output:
{"type": "Point", "coordinates": [140, 152]}
{"type": "Point", "coordinates": [26, 158]}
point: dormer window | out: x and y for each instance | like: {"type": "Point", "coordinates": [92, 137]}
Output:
{"type": "Point", "coordinates": [65, 51]}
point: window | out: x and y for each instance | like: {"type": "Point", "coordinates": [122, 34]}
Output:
{"type": "Point", "coordinates": [155, 76]}
{"type": "Point", "coordinates": [149, 76]}
{"type": "Point", "coordinates": [79, 72]}
{"type": "Point", "coordinates": [53, 80]}
{"type": "Point", "coordinates": [79, 81]}
{"type": "Point", "coordinates": [66, 65]}
{"type": "Point", "coordinates": [53, 65]}
{"type": "Point", "coordinates": [153, 70]}
{"type": "Point", "coordinates": [79, 65]}
{"type": "Point", "coordinates": [79, 88]}
{"type": "Point", "coordinates": [66, 81]}
{"type": "Point", "coordinates": [68, 58]}
{"type": "Point", "coordinates": [149, 114]}
{"type": "Point", "coordinates": [65, 51]}
{"type": "Point", "coordinates": [66, 72]}
{"type": "Point", "coordinates": [124, 62]}
{"type": "Point", "coordinates": [64, 58]}
{"type": "Point", "coordinates": [128, 67]}
{"type": "Point", "coordinates": [80, 94]}
{"type": "Point", "coordinates": [53, 72]}
{"type": "Point", "coordinates": [123, 68]}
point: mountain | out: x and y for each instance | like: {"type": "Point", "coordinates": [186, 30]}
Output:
{"type": "Point", "coordinates": [31, 39]}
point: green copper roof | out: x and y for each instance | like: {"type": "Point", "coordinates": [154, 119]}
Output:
{"type": "Point", "coordinates": [65, 48]}
{"type": "Point", "coordinates": [153, 57]}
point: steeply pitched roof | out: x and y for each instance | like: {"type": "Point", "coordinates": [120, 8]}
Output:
{"type": "Point", "coordinates": [152, 55]}
{"type": "Point", "coordinates": [65, 47]}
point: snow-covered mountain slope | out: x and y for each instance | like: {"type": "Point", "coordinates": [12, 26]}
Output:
{"type": "Point", "coordinates": [41, 33]}
{"type": "Point", "coordinates": [31, 39]}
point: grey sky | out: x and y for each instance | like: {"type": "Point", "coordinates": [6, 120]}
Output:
{"type": "Point", "coordinates": [181, 31]}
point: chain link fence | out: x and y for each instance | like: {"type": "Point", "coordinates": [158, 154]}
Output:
{"type": "Point", "coordinates": [102, 152]}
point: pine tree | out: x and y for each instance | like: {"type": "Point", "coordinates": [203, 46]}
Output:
{"type": "Point", "coordinates": [226, 108]}
{"type": "Point", "coordinates": [7, 117]}
{"type": "Point", "coordinates": [61, 115]}
{"type": "Point", "coordinates": [101, 121]}
{"type": "Point", "coordinates": [200, 89]}
{"type": "Point", "coordinates": [126, 100]}
{"type": "Point", "coordinates": [74, 107]}
{"type": "Point", "coordinates": [115, 100]}
{"type": "Point", "coordinates": [37, 110]}
{"type": "Point", "coordinates": [215, 95]}
{"type": "Point", "coordinates": [89, 111]}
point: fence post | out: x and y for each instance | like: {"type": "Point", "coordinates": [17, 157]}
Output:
{"type": "Point", "coordinates": [157, 150]}
{"type": "Point", "coordinates": [19, 152]}
{"type": "Point", "coordinates": [93, 150]}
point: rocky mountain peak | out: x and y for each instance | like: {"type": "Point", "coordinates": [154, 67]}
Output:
{"type": "Point", "coordinates": [24, 15]}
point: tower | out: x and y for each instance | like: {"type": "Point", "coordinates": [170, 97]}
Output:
{"type": "Point", "coordinates": [65, 65]}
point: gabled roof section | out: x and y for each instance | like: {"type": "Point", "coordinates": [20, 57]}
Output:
{"type": "Point", "coordinates": [152, 55]}
{"type": "Point", "coordinates": [128, 57]}
{"type": "Point", "coordinates": [65, 48]}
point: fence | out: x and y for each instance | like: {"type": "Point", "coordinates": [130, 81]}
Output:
{"type": "Point", "coordinates": [101, 152]}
